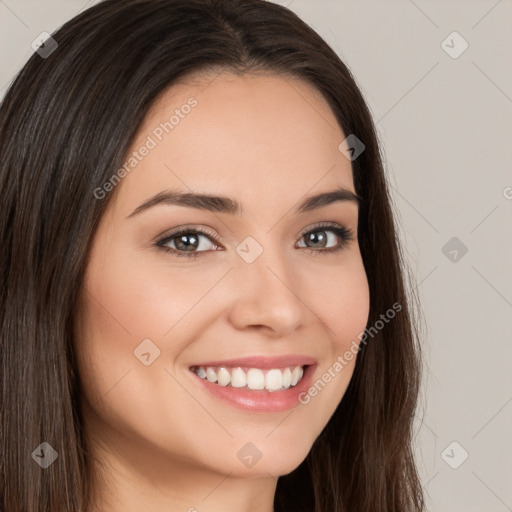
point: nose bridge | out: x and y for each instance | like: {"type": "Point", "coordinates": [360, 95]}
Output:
{"type": "Point", "coordinates": [264, 259]}
{"type": "Point", "coordinates": [265, 293]}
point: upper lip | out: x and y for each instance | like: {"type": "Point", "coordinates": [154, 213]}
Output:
{"type": "Point", "coordinates": [264, 362]}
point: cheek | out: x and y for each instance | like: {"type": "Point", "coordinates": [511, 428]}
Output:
{"type": "Point", "coordinates": [129, 298]}
{"type": "Point", "coordinates": [123, 303]}
{"type": "Point", "coordinates": [139, 298]}
{"type": "Point", "coordinates": [342, 300]}
{"type": "Point", "coordinates": [343, 306]}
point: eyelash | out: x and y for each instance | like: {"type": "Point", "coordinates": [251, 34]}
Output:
{"type": "Point", "coordinates": [343, 233]}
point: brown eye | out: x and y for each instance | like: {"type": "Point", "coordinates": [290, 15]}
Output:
{"type": "Point", "coordinates": [186, 242]}
{"type": "Point", "coordinates": [321, 239]}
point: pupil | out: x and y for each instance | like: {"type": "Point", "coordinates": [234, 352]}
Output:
{"type": "Point", "coordinates": [187, 246]}
{"type": "Point", "coordinates": [318, 236]}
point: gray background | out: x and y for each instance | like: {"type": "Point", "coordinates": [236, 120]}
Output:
{"type": "Point", "coordinates": [445, 126]}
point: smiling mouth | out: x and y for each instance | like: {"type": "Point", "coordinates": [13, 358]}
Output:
{"type": "Point", "coordinates": [247, 378]}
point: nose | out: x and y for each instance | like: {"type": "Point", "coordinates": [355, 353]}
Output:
{"type": "Point", "coordinates": [263, 296]}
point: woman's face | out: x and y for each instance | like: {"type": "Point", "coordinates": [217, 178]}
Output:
{"type": "Point", "coordinates": [263, 284]}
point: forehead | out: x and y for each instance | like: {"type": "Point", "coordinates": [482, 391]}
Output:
{"type": "Point", "coordinates": [261, 138]}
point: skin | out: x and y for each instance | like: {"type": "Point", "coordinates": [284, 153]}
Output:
{"type": "Point", "coordinates": [160, 441]}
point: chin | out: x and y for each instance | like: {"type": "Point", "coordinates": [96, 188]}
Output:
{"type": "Point", "coordinates": [278, 463]}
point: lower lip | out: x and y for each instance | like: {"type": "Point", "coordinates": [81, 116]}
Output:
{"type": "Point", "coordinates": [259, 400]}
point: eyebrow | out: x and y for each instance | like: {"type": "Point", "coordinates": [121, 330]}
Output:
{"type": "Point", "coordinates": [220, 204]}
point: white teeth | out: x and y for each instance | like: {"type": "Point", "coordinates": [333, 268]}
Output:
{"type": "Point", "coordinates": [223, 377]}
{"type": "Point", "coordinates": [255, 378]}
{"type": "Point", "coordinates": [238, 378]}
{"type": "Point", "coordinates": [296, 375]}
{"type": "Point", "coordinates": [274, 380]}
{"type": "Point", "coordinates": [287, 378]}
{"type": "Point", "coordinates": [211, 375]}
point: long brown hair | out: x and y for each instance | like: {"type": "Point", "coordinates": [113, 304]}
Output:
{"type": "Point", "coordinates": [66, 123]}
